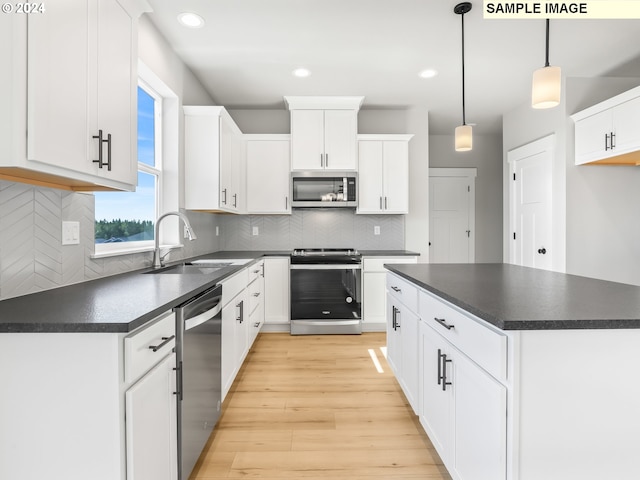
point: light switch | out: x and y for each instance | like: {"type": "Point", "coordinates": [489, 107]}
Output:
{"type": "Point", "coordinates": [70, 233]}
{"type": "Point", "coordinates": [376, 230]}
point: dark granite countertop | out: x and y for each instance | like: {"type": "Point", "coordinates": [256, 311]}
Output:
{"type": "Point", "coordinates": [521, 298]}
{"type": "Point", "coordinates": [123, 302]}
{"type": "Point", "coordinates": [119, 303]}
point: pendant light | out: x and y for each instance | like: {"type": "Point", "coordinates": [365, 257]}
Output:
{"type": "Point", "coordinates": [464, 134]}
{"type": "Point", "coordinates": [547, 83]}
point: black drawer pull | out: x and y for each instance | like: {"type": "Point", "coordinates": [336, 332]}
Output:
{"type": "Point", "coordinates": [444, 323]}
{"type": "Point", "coordinates": [155, 348]}
{"type": "Point", "coordinates": [396, 289]}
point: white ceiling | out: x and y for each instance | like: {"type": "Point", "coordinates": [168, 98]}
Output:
{"type": "Point", "coordinates": [245, 53]}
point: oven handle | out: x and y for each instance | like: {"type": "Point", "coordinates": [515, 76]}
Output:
{"type": "Point", "coordinates": [327, 267]}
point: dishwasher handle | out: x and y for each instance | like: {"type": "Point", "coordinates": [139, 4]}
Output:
{"type": "Point", "coordinates": [193, 322]}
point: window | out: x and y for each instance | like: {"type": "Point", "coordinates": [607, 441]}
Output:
{"type": "Point", "coordinates": [124, 221]}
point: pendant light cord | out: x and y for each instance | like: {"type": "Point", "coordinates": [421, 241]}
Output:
{"type": "Point", "coordinates": [462, 22]}
{"type": "Point", "coordinates": [546, 63]}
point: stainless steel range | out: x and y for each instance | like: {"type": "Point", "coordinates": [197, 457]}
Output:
{"type": "Point", "coordinates": [326, 290]}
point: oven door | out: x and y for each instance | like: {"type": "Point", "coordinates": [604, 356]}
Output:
{"type": "Point", "coordinates": [326, 299]}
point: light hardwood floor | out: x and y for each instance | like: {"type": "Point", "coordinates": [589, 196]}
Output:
{"type": "Point", "coordinates": [315, 407]}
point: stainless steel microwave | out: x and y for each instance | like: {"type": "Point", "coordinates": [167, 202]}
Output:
{"type": "Point", "coordinates": [324, 189]}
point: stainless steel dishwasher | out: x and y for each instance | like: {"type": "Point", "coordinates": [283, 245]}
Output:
{"type": "Point", "coordinates": [198, 359]}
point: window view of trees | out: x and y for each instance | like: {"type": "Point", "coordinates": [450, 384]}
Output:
{"type": "Point", "coordinates": [117, 230]}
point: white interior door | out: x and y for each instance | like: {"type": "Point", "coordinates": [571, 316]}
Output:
{"type": "Point", "coordinates": [531, 201]}
{"type": "Point", "coordinates": [452, 215]}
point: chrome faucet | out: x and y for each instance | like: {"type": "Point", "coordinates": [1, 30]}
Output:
{"type": "Point", "coordinates": [157, 257]}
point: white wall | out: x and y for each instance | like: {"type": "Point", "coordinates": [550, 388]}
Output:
{"type": "Point", "coordinates": [595, 207]}
{"type": "Point", "coordinates": [486, 156]}
{"type": "Point", "coordinates": [603, 223]}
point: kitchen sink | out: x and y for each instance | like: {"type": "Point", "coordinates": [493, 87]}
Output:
{"type": "Point", "coordinates": [226, 262]}
{"type": "Point", "coordinates": [199, 267]}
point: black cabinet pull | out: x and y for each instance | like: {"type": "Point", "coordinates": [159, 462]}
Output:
{"type": "Point", "coordinates": [394, 318]}
{"type": "Point", "coordinates": [396, 289]}
{"type": "Point", "coordinates": [240, 317]}
{"type": "Point", "coordinates": [224, 192]}
{"type": "Point", "coordinates": [445, 360]}
{"type": "Point", "coordinates": [444, 323]}
{"type": "Point", "coordinates": [178, 371]}
{"type": "Point", "coordinates": [155, 348]}
{"type": "Point", "coordinates": [542, 251]}
{"type": "Point", "coordinates": [606, 142]}
{"type": "Point", "coordinates": [100, 161]}
{"type": "Point", "coordinates": [442, 370]}
{"type": "Point", "coordinates": [613, 136]}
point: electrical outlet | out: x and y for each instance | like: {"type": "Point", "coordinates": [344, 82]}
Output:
{"type": "Point", "coordinates": [255, 231]}
{"type": "Point", "coordinates": [217, 231]}
{"type": "Point", "coordinates": [70, 233]}
{"type": "Point", "coordinates": [376, 230]}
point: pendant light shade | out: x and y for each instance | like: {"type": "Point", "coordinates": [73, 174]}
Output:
{"type": "Point", "coordinates": [463, 134]}
{"type": "Point", "coordinates": [547, 83]}
{"type": "Point", "coordinates": [464, 138]}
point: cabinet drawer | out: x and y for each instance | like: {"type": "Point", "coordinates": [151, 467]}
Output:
{"type": "Point", "coordinates": [256, 294]}
{"type": "Point", "coordinates": [403, 291]}
{"type": "Point", "coordinates": [376, 264]}
{"type": "Point", "coordinates": [232, 286]}
{"type": "Point", "coordinates": [480, 343]}
{"type": "Point", "coordinates": [256, 319]}
{"type": "Point", "coordinates": [256, 270]}
{"type": "Point", "coordinates": [141, 350]}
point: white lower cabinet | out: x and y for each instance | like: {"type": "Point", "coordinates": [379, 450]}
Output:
{"type": "Point", "coordinates": [402, 345]}
{"type": "Point", "coordinates": [151, 427]}
{"type": "Point", "coordinates": [256, 300]}
{"type": "Point", "coordinates": [453, 371]}
{"type": "Point", "coordinates": [276, 290]}
{"type": "Point", "coordinates": [463, 410]}
{"type": "Point", "coordinates": [374, 298]}
{"type": "Point", "coordinates": [242, 318]}
{"type": "Point", "coordinates": [89, 405]}
{"type": "Point", "coordinates": [234, 339]}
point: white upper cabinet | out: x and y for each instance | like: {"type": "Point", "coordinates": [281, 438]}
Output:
{"type": "Point", "coordinates": [268, 174]}
{"type": "Point", "coordinates": [324, 132]}
{"type": "Point", "coordinates": [213, 161]}
{"type": "Point", "coordinates": [72, 71]}
{"type": "Point", "coordinates": [383, 174]}
{"type": "Point", "coordinates": [608, 133]}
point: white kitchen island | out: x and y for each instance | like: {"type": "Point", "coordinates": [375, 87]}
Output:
{"type": "Point", "coordinates": [518, 373]}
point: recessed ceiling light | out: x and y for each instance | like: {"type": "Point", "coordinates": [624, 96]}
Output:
{"type": "Point", "coordinates": [428, 73]}
{"type": "Point", "coordinates": [301, 72]}
{"type": "Point", "coordinates": [191, 20]}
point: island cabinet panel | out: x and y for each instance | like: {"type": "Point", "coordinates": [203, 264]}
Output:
{"type": "Point", "coordinates": [575, 406]}
{"type": "Point", "coordinates": [463, 408]}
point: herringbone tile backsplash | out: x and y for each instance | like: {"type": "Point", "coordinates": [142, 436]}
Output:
{"type": "Point", "coordinates": [313, 228]}
{"type": "Point", "coordinates": [32, 257]}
